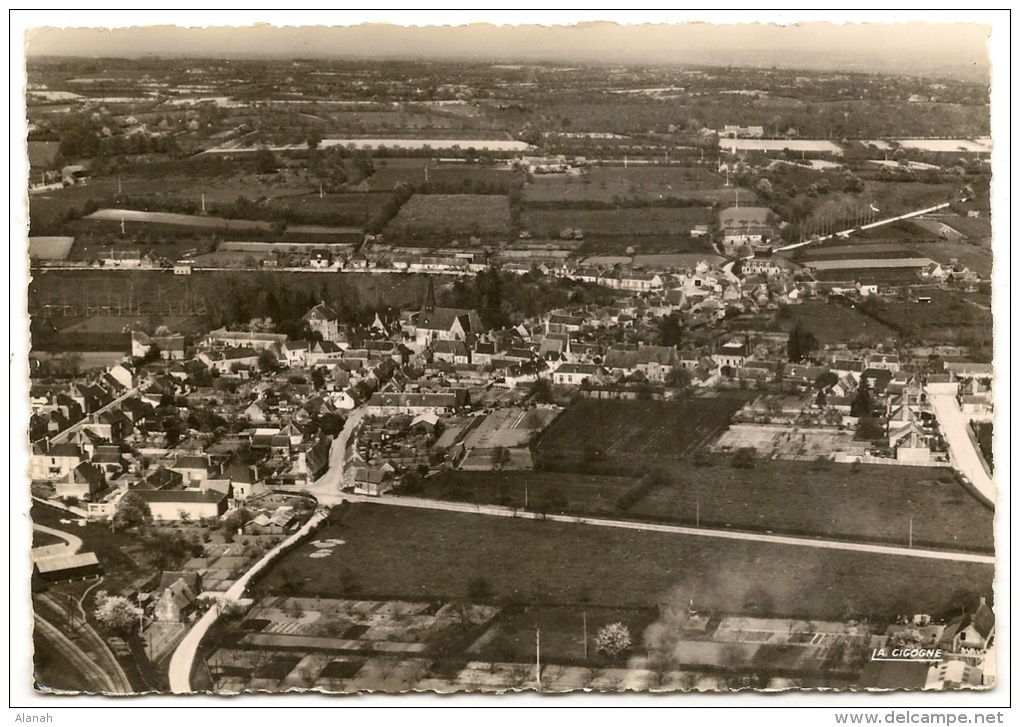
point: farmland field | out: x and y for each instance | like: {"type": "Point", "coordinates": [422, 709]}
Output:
{"type": "Point", "coordinates": [651, 245]}
{"type": "Point", "coordinates": [869, 251]}
{"type": "Point", "coordinates": [441, 216]}
{"type": "Point", "coordinates": [832, 323]}
{"type": "Point", "coordinates": [404, 553]}
{"type": "Point", "coordinates": [779, 495]}
{"type": "Point", "coordinates": [639, 429]}
{"type": "Point", "coordinates": [947, 319]}
{"type": "Point", "coordinates": [976, 256]}
{"type": "Point", "coordinates": [449, 177]}
{"type": "Point", "coordinates": [647, 221]}
{"type": "Point", "coordinates": [609, 184]}
{"type": "Point", "coordinates": [819, 146]}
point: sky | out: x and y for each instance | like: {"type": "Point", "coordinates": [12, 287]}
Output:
{"type": "Point", "coordinates": [947, 47]}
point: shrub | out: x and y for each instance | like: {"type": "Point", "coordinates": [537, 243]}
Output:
{"type": "Point", "coordinates": [744, 458]}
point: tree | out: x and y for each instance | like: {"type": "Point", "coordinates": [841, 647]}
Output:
{"type": "Point", "coordinates": [115, 614]}
{"type": "Point", "coordinates": [612, 640]}
{"type": "Point", "coordinates": [764, 189]}
{"type": "Point", "coordinates": [132, 511]}
{"type": "Point", "coordinates": [678, 377]}
{"type": "Point", "coordinates": [670, 331]}
{"type": "Point", "coordinates": [800, 344]}
{"type": "Point", "coordinates": [861, 405]}
{"type": "Point", "coordinates": [268, 362]}
{"type": "Point", "coordinates": [265, 161]}
{"type": "Point", "coordinates": [744, 458]}
{"type": "Point", "coordinates": [541, 391]}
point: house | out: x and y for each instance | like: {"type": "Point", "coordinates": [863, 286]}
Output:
{"type": "Point", "coordinates": [954, 675]}
{"type": "Point", "coordinates": [969, 635]}
{"type": "Point", "coordinates": [575, 374]}
{"type": "Point", "coordinates": [176, 596]}
{"type": "Point", "coordinates": [191, 468]}
{"type": "Point", "coordinates": [415, 403]}
{"type": "Point", "coordinates": [182, 267]}
{"type": "Point", "coordinates": [229, 360]}
{"type": "Point", "coordinates": [373, 481]}
{"type": "Point", "coordinates": [888, 361]}
{"type": "Point", "coordinates": [325, 321]}
{"type": "Point", "coordinates": [84, 482]}
{"type": "Point", "coordinates": [222, 338]}
{"type": "Point", "coordinates": [733, 353]}
{"type": "Point", "coordinates": [324, 351]}
{"type": "Point", "coordinates": [640, 282]}
{"type": "Point", "coordinates": [56, 461]}
{"type": "Point", "coordinates": [483, 353]}
{"type": "Point", "coordinates": [320, 258]}
{"type": "Point", "coordinates": [455, 352]}
{"type": "Point", "coordinates": [176, 504]}
{"type": "Point", "coordinates": [876, 379]}
{"type": "Point", "coordinates": [296, 352]}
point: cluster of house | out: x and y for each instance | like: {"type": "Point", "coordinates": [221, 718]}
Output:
{"type": "Point", "coordinates": [960, 653]}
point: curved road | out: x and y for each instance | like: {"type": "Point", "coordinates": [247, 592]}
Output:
{"type": "Point", "coordinates": [74, 543]}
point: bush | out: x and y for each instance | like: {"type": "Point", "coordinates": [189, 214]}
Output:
{"type": "Point", "coordinates": [744, 458]}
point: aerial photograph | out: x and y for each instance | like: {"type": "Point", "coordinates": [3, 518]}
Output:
{"type": "Point", "coordinates": [488, 359]}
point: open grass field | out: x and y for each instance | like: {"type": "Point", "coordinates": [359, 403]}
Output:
{"type": "Point", "coordinates": [833, 324]}
{"type": "Point", "coordinates": [111, 548]}
{"type": "Point", "coordinates": [863, 251]}
{"type": "Point", "coordinates": [609, 184]}
{"type": "Point", "coordinates": [651, 430]}
{"type": "Point", "coordinates": [442, 216]}
{"type": "Point", "coordinates": [898, 197]}
{"type": "Point", "coordinates": [779, 495]}
{"type": "Point", "coordinates": [466, 178]}
{"type": "Point", "coordinates": [590, 494]}
{"type": "Point", "coordinates": [649, 245]}
{"type": "Point", "coordinates": [947, 319]}
{"type": "Point", "coordinates": [393, 552]}
{"type": "Point", "coordinates": [651, 221]}
{"type": "Point", "coordinates": [975, 255]}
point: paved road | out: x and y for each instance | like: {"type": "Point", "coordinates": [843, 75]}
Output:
{"type": "Point", "coordinates": [183, 659]}
{"type": "Point", "coordinates": [962, 453]}
{"type": "Point", "coordinates": [90, 419]}
{"type": "Point", "coordinates": [674, 529]}
{"type": "Point", "coordinates": [869, 226]}
{"type": "Point", "coordinates": [74, 543]}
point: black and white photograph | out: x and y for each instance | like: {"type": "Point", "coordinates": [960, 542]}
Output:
{"type": "Point", "coordinates": [489, 358]}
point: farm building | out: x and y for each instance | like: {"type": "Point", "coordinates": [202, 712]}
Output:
{"type": "Point", "coordinates": [575, 374]}
{"type": "Point", "coordinates": [71, 567]}
{"type": "Point", "coordinates": [197, 504]}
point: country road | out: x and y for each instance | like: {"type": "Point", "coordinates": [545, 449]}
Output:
{"type": "Point", "coordinates": [869, 226]}
{"type": "Point", "coordinates": [495, 510]}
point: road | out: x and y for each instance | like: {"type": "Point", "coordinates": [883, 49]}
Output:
{"type": "Point", "coordinates": [962, 453]}
{"type": "Point", "coordinates": [819, 543]}
{"type": "Point", "coordinates": [74, 543]}
{"type": "Point", "coordinates": [63, 436]}
{"type": "Point", "coordinates": [871, 225]}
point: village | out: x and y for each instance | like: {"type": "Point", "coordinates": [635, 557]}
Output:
{"type": "Point", "coordinates": [356, 375]}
